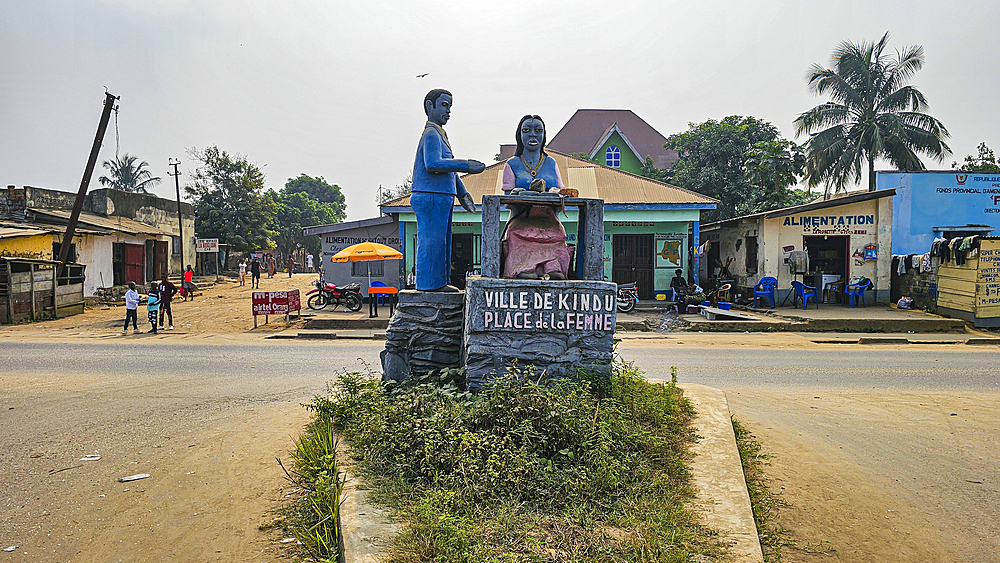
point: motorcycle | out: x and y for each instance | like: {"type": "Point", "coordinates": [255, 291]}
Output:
{"type": "Point", "coordinates": [330, 294]}
{"type": "Point", "coordinates": [628, 296]}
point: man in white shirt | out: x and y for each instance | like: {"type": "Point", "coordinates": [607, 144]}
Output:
{"type": "Point", "coordinates": [309, 262]}
{"type": "Point", "coordinates": [131, 309]}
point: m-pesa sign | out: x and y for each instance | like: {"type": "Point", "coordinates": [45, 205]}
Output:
{"type": "Point", "coordinates": [276, 302]}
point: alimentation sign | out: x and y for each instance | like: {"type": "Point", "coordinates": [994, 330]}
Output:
{"type": "Point", "coordinates": [935, 199]}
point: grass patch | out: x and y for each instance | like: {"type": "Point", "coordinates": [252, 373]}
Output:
{"type": "Point", "coordinates": [571, 471]}
{"type": "Point", "coordinates": [765, 503]}
{"type": "Point", "coordinates": [314, 518]}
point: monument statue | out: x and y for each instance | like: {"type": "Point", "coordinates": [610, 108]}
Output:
{"type": "Point", "coordinates": [435, 186]}
{"type": "Point", "coordinates": [534, 241]}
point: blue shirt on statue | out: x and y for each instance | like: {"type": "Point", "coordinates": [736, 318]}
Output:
{"type": "Point", "coordinates": [435, 186]}
{"type": "Point", "coordinates": [435, 169]}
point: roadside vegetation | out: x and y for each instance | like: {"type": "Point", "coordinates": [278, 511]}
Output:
{"type": "Point", "coordinates": [764, 502]}
{"type": "Point", "coordinates": [313, 519]}
{"type": "Point", "coordinates": [582, 470]}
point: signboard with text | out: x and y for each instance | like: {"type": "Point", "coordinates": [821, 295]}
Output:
{"type": "Point", "coordinates": [276, 302]}
{"type": "Point", "coordinates": [206, 245]}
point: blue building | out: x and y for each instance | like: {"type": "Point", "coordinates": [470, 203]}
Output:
{"type": "Point", "coordinates": [940, 203]}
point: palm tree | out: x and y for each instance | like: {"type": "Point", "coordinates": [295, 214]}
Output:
{"type": "Point", "coordinates": [128, 176]}
{"type": "Point", "coordinates": [873, 114]}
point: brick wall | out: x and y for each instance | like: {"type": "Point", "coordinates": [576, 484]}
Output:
{"type": "Point", "coordinates": [919, 286]}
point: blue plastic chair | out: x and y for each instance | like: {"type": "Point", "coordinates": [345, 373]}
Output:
{"type": "Point", "coordinates": [765, 288]}
{"type": "Point", "coordinates": [804, 292]}
{"type": "Point", "coordinates": [855, 290]}
{"type": "Point", "coordinates": [380, 297]}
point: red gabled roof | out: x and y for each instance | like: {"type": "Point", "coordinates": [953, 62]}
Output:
{"type": "Point", "coordinates": [587, 126]}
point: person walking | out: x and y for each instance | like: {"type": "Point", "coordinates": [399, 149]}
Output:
{"type": "Point", "coordinates": [131, 309]}
{"type": "Point", "coordinates": [243, 271]}
{"type": "Point", "coordinates": [255, 273]}
{"type": "Point", "coordinates": [291, 265]}
{"type": "Point", "coordinates": [188, 283]}
{"type": "Point", "coordinates": [309, 263]}
{"type": "Point", "coordinates": [153, 305]}
{"type": "Point", "coordinates": [167, 292]}
{"type": "Point", "coordinates": [271, 264]}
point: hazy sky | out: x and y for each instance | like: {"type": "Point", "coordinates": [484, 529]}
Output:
{"type": "Point", "coordinates": [329, 88]}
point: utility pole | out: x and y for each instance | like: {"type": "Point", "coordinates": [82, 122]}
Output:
{"type": "Point", "coordinates": [175, 162]}
{"type": "Point", "coordinates": [67, 240]}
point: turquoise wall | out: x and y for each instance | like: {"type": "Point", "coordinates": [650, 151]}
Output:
{"type": "Point", "coordinates": [671, 223]}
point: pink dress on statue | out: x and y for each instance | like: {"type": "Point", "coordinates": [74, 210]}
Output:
{"type": "Point", "coordinates": [534, 240]}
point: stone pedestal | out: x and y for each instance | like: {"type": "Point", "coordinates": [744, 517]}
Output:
{"type": "Point", "coordinates": [555, 326]}
{"type": "Point", "coordinates": [424, 334]}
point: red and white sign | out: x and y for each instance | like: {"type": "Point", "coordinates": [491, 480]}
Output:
{"type": "Point", "coordinates": [276, 302]}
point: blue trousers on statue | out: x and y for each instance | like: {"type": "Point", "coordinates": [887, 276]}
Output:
{"type": "Point", "coordinates": [433, 213]}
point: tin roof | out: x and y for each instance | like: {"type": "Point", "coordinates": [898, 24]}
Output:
{"type": "Point", "coordinates": [112, 223]}
{"type": "Point", "coordinates": [594, 180]}
{"type": "Point", "coordinates": [845, 199]}
{"type": "Point", "coordinates": [15, 232]}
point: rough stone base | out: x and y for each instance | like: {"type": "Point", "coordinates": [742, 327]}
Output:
{"type": "Point", "coordinates": [543, 324]}
{"type": "Point", "coordinates": [424, 334]}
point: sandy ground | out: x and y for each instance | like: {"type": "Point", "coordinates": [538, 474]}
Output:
{"type": "Point", "coordinates": [216, 480]}
{"type": "Point", "coordinates": [850, 489]}
{"type": "Point", "coordinates": [222, 309]}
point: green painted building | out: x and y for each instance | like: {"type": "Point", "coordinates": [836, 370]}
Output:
{"type": "Point", "coordinates": [649, 227]}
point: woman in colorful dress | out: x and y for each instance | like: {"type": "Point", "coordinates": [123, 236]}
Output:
{"type": "Point", "coordinates": [534, 241]}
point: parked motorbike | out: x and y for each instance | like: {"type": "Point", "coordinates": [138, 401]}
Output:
{"type": "Point", "coordinates": [330, 294]}
{"type": "Point", "coordinates": [628, 296]}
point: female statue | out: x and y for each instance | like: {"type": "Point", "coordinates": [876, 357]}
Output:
{"type": "Point", "coordinates": [534, 241]}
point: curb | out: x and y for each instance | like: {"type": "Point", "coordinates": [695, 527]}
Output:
{"type": "Point", "coordinates": [982, 341]}
{"type": "Point", "coordinates": [883, 340]}
{"type": "Point", "coordinates": [717, 474]}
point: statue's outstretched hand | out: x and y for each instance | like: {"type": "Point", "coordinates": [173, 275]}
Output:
{"type": "Point", "coordinates": [475, 167]}
{"type": "Point", "coordinates": [467, 203]}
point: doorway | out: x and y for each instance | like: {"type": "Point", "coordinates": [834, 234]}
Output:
{"type": "Point", "coordinates": [462, 258]}
{"type": "Point", "coordinates": [632, 261]}
{"type": "Point", "coordinates": [829, 260]}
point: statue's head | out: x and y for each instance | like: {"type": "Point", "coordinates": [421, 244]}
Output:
{"type": "Point", "coordinates": [530, 133]}
{"type": "Point", "coordinates": [437, 106]}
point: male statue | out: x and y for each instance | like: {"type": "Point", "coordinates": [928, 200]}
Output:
{"type": "Point", "coordinates": [435, 186]}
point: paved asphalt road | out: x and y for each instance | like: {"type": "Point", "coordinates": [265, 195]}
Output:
{"type": "Point", "coordinates": [853, 401]}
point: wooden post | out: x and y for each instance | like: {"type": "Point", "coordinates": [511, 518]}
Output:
{"type": "Point", "coordinates": [55, 293]}
{"type": "Point", "coordinates": [31, 286]}
{"type": "Point", "coordinates": [593, 267]}
{"type": "Point", "coordinates": [255, 321]}
{"type": "Point", "coordinates": [490, 246]}
{"type": "Point", "coordinates": [74, 216]}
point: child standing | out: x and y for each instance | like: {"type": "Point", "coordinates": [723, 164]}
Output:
{"type": "Point", "coordinates": [188, 283]}
{"type": "Point", "coordinates": [243, 271]}
{"type": "Point", "coordinates": [153, 305]}
{"type": "Point", "coordinates": [131, 309]}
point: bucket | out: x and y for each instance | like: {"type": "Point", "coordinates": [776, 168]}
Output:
{"type": "Point", "coordinates": [725, 306]}
{"type": "Point", "coordinates": [693, 309]}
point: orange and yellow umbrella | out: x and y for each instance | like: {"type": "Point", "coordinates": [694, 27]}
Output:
{"type": "Point", "coordinates": [366, 251]}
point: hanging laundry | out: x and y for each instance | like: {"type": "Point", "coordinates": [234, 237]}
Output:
{"type": "Point", "coordinates": [925, 263]}
{"type": "Point", "coordinates": [915, 261]}
{"type": "Point", "coordinates": [900, 261]}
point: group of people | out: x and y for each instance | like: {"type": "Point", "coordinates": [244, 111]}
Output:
{"type": "Point", "coordinates": [256, 264]}
{"type": "Point", "coordinates": [158, 299]}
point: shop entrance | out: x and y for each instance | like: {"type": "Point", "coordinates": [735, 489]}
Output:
{"type": "Point", "coordinates": [462, 258]}
{"type": "Point", "coordinates": [829, 260]}
{"type": "Point", "coordinates": [632, 261]}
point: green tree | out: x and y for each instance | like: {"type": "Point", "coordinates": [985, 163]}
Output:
{"type": "Point", "coordinates": [713, 161]}
{"type": "Point", "coordinates": [389, 194]}
{"type": "Point", "coordinates": [128, 175]}
{"type": "Point", "coordinates": [873, 114]}
{"type": "Point", "coordinates": [649, 170]}
{"type": "Point", "coordinates": [293, 212]}
{"type": "Point", "coordinates": [229, 199]}
{"type": "Point", "coordinates": [321, 191]}
{"type": "Point", "coordinates": [985, 162]}
{"type": "Point", "coordinates": [774, 167]}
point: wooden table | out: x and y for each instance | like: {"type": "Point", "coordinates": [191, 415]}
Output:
{"type": "Point", "coordinates": [373, 292]}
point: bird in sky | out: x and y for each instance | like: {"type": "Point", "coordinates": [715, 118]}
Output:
{"type": "Point", "coordinates": [422, 75]}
